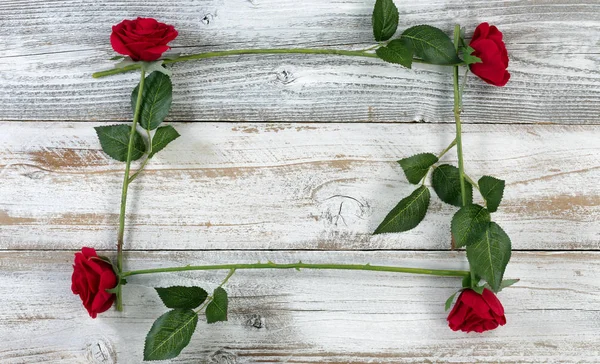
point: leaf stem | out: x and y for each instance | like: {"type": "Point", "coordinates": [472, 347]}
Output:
{"type": "Point", "coordinates": [210, 298]}
{"type": "Point", "coordinates": [148, 153]}
{"type": "Point", "coordinates": [447, 149]}
{"type": "Point", "coordinates": [121, 233]}
{"type": "Point", "coordinates": [372, 48]}
{"type": "Point", "coordinates": [468, 179]}
{"type": "Point", "coordinates": [140, 169]}
{"type": "Point", "coordinates": [204, 304]}
{"type": "Point", "coordinates": [300, 265]}
{"type": "Point", "coordinates": [231, 272]}
{"type": "Point", "coordinates": [457, 110]}
{"type": "Point", "coordinates": [450, 146]}
{"type": "Point", "coordinates": [238, 52]}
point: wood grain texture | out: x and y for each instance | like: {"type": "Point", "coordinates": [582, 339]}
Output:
{"type": "Point", "coordinates": [242, 192]}
{"type": "Point", "coordinates": [289, 186]}
{"type": "Point", "coordinates": [307, 316]}
{"type": "Point", "coordinates": [50, 49]}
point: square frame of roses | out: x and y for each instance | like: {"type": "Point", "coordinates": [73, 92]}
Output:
{"type": "Point", "coordinates": [142, 44]}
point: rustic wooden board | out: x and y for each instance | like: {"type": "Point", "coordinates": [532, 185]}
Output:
{"type": "Point", "coordinates": [289, 186]}
{"type": "Point", "coordinates": [307, 316]}
{"type": "Point", "coordinates": [239, 191]}
{"type": "Point", "coordinates": [50, 49]}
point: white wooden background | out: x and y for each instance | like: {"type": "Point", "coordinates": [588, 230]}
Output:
{"type": "Point", "coordinates": [292, 157]}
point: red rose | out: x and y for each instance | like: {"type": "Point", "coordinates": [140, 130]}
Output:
{"type": "Point", "coordinates": [476, 312]}
{"type": "Point", "coordinates": [92, 276]}
{"type": "Point", "coordinates": [142, 39]}
{"type": "Point", "coordinates": [489, 46]}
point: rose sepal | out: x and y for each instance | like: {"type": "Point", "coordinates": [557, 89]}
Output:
{"type": "Point", "coordinates": [115, 289]}
{"type": "Point", "coordinates": [149, 67]}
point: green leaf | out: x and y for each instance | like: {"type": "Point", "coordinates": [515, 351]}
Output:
{"type": "Point", "coordinates": [416, 166]}
{"type": "Point", "coordinates": [407, 214]}
{"type": "Point", "coordinates": [385, 19]}
{"type": "Point", "coordinates": [449, 301]}
{"type": "Point", "coordinates": [431, 45]}
{"type": "Point", "coordinates": [488, 257]}
{"type": "Point", "coordinates": [507, 283]}
{"type": "Point", "coordinates": [217, 308]}
{"type": "Point", "coordinates": [169, 334]}
{"type": "Point", "coordinates": [469, 224]}
{"type": "Point", "coordinates": [446, 184]}
{"type": "Point", "coordinates": [467, 55]}
{"type": "Point", "coordinates": [492, 190]}
{"type": "Point", "coordinates": [156, 100]}
{"type": "Point", "coordinates": [163, 136]}
{"type": "Point", "coordinates": [397, 51]}
{"type": "Point", "coordinates": [114, 140]}
{"type": "Point", "coordinates": [182, 297]}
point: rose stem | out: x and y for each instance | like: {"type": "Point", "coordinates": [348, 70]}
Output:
{"type": "Point", "coordinates": [126, 181]}
{"type": "Point", "coordinates": [443, 153]}
{"type": "Point", "coordinates": [237, 52]}
{"type": "Point", "coordinates": [457, 102]}
{"type": "Point", "coordinates": [459, 147]}
{"type": "Point", "coordinates": [300, 265]}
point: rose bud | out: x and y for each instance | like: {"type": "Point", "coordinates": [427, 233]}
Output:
{"type": "Point", "coordinates": [476, 312]}
{"type": "Point", "coordinates": [92, 276]}
{"type": "Point", "coordinates": [489, 47]}
{"type": "Point", "coordinates": [142, 39]}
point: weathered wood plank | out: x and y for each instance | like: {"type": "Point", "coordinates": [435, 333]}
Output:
{"type": "Point", "coordinates": [289, 186]}
{"type": "Point", "coordinates": [50, 49]}
{"type": "Point", "coordinates": [307, 316]}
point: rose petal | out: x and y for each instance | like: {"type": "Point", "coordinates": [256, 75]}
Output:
{"type": "Point", "coordinates": [457, 316]}
{"type": "Point", "coordinates": [170, 34]}
{"type": "Point", "coordinates": [481, 31]}
{"type": "Point", "coordinates": [118, 45]}
{"type": "Point", "coordinates": [152, 54]}
{"type": "Point", "coordinates": [487, 50]}
{"type": "Point", "coordinates": [88, 252]}
{"type": "Point", "coordinates": [489, 325]}
{"type": "Point", "coordinates": [92, 278]}
{"type": "Point", "coordinates": [142, 39]}
{"type": "Point", "coordinates": [490, 74]}
{"type": "Point", "coordinates": [488, 44]}
{"type": "Point", "coordinates": [494, 34]}
{"type": "Point", "coordinates": [493, 302]}
{"type": "Point", "coordinates": [138, 49]}
{"type": "Point", "coordinates": [97, 265]}
{"type": "Point", "coordinates": [108, 280]}
{"type": "Point", "coordinates": [501, 320]}
{"type": "Point", "coordinates": [103, 300]}
{"type": "Point", "coordinates": [476, 303]}
{"type": "Point", "coordinates": [76, 280]}
{"type": "Point", "coordinates": [146, 23]}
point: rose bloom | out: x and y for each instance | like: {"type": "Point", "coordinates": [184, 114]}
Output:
{"type": "Point", "coordinates": [142, 39]}
{"type": "Point", "coordinates": [92, 276]}
{"type": "Point", "coordinates": [490, 48]}
{"type": "Point", "coordinates": [476, 312]}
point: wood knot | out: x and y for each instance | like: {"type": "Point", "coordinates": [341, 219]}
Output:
{"type": "Point", "coordinates": [207, 18]}
{"type": "Point", "coordinates": [223, 357]}
{"type": "Point", "coordinates": [256, 321]}
{"type": "Point", "coordinates": [101, 352]}
{"type": "Point", "coordinates": [285, 76]}
{"type": "Point", "coordinates": [344, 211]}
